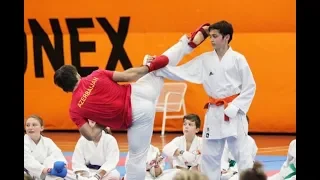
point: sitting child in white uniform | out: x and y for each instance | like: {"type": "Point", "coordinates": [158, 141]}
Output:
{"type": "Point", "coordinates": [229, 167]}
{"type": "Point", "coordinates": [184, 151]}
{"type": "Point", "coordinates": [41, 154]}
{"type": "Point", "coordinates": [155, 166]}
{"type": "Point", "coordinates": [96, 159]}
{"type": "Point", "coordinates": [288, 169]}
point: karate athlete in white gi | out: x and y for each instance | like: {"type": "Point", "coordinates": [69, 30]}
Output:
{"type": "Point", "coordinates": [144, 96]}
{"type": "Point", "coordinates": [155, 166]}
{"type": "Point", "coordinates": [229, 83]}
{"type": "Point", "coordinates": [96, 159]}
{"type": "Point", "coordinates": [288, 169]}
{"type": "Point", "coordinates": [229, 167]}
{"type": "Point", "coordinates": [41, 154]}
{"type": "Point", "coordinates": [185, 151]}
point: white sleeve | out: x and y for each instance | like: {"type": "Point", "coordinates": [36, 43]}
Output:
{"type": "Point", "coordinates": [31, 164]}
{"type": "Point", "coordinates": [54, 154]}
{"type": "Point", "coordinates": [113, 155]}
{"type": "Point", "coordinates": [162, 163]}
{"type": "Point", "coordinates": [152, 155]}
{"type": "Point", "coordinates": [170, 148]}
{"type": "Point", "coordinates": [254, 150]}
{"type": "Point", "coordinates": [198, 157]}
{"type": "Point", "coordinates": [157, 152]}
{"type": "Point", "coordinates": [248, 89]}
{"type": "Point", "coordinates": [191, 71]}
{"type": "Point", "coordinates": [292, 148]}
{"type": "Point", "coordinates": [291, 155]}
{"type": "Point", "coordinates": [78, 160]}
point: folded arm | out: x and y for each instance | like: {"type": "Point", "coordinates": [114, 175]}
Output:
{"type": "Point", "coordinates": [135, 73]}
{"type": "Point", "coordinates": [130, 75]}
{"type": "Point", "coordinates": [54, 154]}
{"type": "Point", "coordinates": [172, 149]}
{"type": "Point", "coordinates": [34, 167]}
{"type": "Point", "coordinates": [248, 89]}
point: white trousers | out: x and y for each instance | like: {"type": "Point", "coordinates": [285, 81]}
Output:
{"type": "Point", "coordinates": [145, 93]}
{"type": "Point", "coordinates": [212, 150]}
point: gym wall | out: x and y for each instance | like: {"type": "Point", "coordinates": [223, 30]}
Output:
{"type": "Point", "coordinates": [100, 34]}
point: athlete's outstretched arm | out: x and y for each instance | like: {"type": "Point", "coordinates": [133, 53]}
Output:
{"type": "Point", "coordinates": [136, 73]}
{"type": "Point", "coordinates": [131, 74]}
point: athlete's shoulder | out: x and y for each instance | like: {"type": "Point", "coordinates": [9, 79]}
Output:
{"type": "Point", "coordinates": [238, 55]}
{"type": "Point", "coordinates": [206, 54]}
{"type": "Point", "coordinates": [47, 141]}
{"type": "Point", "coordinates": [102, 72]}
{"type": "Point", "coordinates": [251, 140]}
{"type": "Point", "coordinates": [199, 138]}
{"type": "Point", "coordinates": [293, 142]}
{"type": "Point", "coordinates": [108, 137]}
{"type": "Point", "coordinates": [98, 71]}
{"type": "Point", "coordinates": [179, 138]}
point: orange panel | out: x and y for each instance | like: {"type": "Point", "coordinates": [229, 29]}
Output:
{"type": "Point", "coordinates": [167, 16]}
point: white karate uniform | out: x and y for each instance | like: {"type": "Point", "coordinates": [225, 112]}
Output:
{"type": "Point", "coordinates": [221, 78]}
{"type": "Point", "coordinates": [232, 171]}
{"type": "Point", "coordinates": [152, 155]}
{"type": "Point", "coordinates": [180, 143]}
{"type": "Point", "coordinates": [144, 95]}
{"type": "Point", "coordinates": [104, 154]}
{"type": "Point", "coordinates": [288, 169]}
{"type": "Point", "coordinates": [42, 155]}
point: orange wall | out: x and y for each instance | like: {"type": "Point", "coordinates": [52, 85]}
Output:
{"type": "Point", "coordinates": [269, 47]}
{"type": "Point", "coordinates": [168, 15]}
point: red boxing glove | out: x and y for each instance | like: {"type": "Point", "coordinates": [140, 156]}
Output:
{"type": "Point", "coordinates": [158, 63]}
{"type": "Point", "coordinates": [205, 35]}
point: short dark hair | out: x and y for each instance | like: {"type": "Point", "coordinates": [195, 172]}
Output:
{"type": "Point", "coordinates": [224, 28]}
{"type": "Point", "coordinates": [66, 77]}
{"type": "Point", "coordinates": [193, 118]}
{"type": "Point", "coordinates": [254, 173]}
